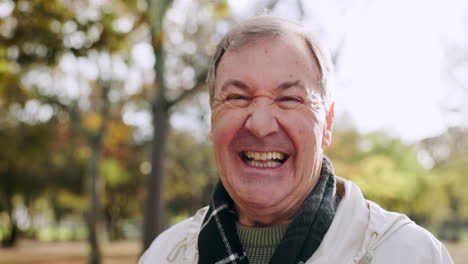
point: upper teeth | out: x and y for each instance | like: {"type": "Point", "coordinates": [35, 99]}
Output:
{"type": "Point", "coordinates": [264, 155]}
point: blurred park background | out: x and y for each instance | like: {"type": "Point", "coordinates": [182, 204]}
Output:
{"type": "Point", "coordinates": [104, 116]}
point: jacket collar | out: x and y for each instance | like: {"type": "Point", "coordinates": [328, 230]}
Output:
{"type": "Point", "coordinates": [358, 228]}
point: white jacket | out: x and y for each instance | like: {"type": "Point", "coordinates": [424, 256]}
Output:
{"type": "Point", "coordinates": [361, 232]}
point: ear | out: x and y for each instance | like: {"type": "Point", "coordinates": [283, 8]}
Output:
{"type": "Point", "coordinates": [328, 127]}
{"type": "Point", "coordinates": [211, 134]}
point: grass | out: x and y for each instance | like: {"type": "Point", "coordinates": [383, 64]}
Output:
{"type": "Point", "coordinates": [459, 252]}
{"type": "Point", "coordinates": [29, 251]}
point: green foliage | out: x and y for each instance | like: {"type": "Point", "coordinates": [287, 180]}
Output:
{"type": "Point", "coordinates": [4, 231]}
{"type": "Point", "coordinates": [389, 173]}
{"type": "Point", "coordinates": [386, 169]}
{"type": "Point", "coordinates": [452, 179]}
{"type": "Point", "coordinates": [113, 173]}
{"type": "Point", "coordinates": [191, 173]}
{"type": "Point", "coordinates": [61, 233]}
{"type": "Point", "coordinates": [32, 36]}
{"type": "Point", "coordinates": [219, 8]}
{"type": "Point", "coordinates": [22, 161]}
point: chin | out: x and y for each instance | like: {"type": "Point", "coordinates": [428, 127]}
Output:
{"type": "Point", "coordinates": [261, 197]}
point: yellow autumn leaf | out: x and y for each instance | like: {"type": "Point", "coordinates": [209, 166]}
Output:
{"type": "Point", "coordinates": [92, 121]}
{"type": "Point", "coordinates": [117, 133]}
{"type": "Point", "coordinates": [222, 9]}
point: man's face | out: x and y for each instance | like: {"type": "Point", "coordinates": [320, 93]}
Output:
{"type": "Point", "coordinates": [269, 124]}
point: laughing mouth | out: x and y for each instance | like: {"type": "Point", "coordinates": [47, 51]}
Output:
{"type": "Point", "coordinates": [264, 159]}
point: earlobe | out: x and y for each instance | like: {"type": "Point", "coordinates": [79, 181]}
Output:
{"type": "Point", "coordinates": [326, 140]}
{"type": "Point", "coordinates": [328, 127]}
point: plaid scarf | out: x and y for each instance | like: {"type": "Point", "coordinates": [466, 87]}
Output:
{"type": "Point", "coordinates": [218, 242]}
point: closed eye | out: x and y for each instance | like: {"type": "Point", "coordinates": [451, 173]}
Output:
{"type": "Point", "coordinates": [238, 100]}
{"type": "Point", "coordinates": [289, 102]}
{"type": "Point", "coordinates": [289, 98]}
{"type": "Point", "coordinates": [237, 97]}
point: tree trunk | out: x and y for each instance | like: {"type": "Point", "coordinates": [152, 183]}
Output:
{"type": "Point", "coordinates": [155, 218]}
{"type": "Point", "coordinates": [10, 240]}
{"type": "Point", "coordinates": [154, 215]}
{"type": "Point", "coordinates": [96, 187]}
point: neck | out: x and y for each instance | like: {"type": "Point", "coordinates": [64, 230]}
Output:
{"type": "Point", "coordinates": [282, 213]}
{"type": "Point", "coordinates": [256, 217]}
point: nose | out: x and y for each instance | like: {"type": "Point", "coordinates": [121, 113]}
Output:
{"type": "Point", "coordinates": [261, 121]}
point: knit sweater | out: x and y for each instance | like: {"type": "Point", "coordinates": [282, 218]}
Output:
{"type": "Point", "coordinates": [260, 243]}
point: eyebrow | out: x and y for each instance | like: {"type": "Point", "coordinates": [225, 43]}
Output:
{"type": "Point", "coordinates": [235, 83]}
{"type": "Point", "coordinates": [286, 85]}
{"type": "Point", "coordinates": [243, 86]}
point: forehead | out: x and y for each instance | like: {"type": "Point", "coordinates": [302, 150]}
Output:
{"type": "Point", "coordinates": [278, 58]}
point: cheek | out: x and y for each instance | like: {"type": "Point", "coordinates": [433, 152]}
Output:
{"type": "Point", "coordinates": [225, 122]}
{"type": "Point", "coordinates": [303, 127]}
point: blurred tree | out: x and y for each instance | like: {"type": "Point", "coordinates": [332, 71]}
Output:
{"type": "Point", "coordinates": [22, 161]}
{"type": "Point", "coordinates": [447, 155]}
{"type": "Point", "coordinates": [386, 169]}
{"type": "Point", "coordinates": [454, 107]}
{"type": "Point", "coordinates": [123, 177]}
{"type": "Point", "coordinates": [68, 154]}
{"type": "Point", "coordinates": [37, 35]}
{"type": "Point", "coordinates": [191, 174]}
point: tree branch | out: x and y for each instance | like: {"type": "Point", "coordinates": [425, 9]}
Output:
{"type": "Point", "coordinates": [72, 112]}
{"type": "Point", "coordinates": [156, 11]}
{"type": "Point", "coordinates": [199, 84]}
{"type": "Point", "coordinates": [271, 4]}
{"type": "Point", "coordinates": [105, 109]}
{"type": "Point", "coordinates": [300, 7]}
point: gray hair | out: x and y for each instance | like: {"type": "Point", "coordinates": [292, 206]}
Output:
{"type": "Point", "coordinates": [269, 26]}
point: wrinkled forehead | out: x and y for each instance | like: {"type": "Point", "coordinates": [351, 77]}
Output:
{"type": "Point", "coordinates": [285, 47]}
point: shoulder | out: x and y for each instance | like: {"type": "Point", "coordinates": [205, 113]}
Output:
{"type": "Point", "coordinates": [403, 241]}
{"type": "Point", "coordinates": [175, 242]}
{"type": "Point", "coordinates": [413, 244]}
{"type": "Point", "coordinates": [166, 242]}
{"type": "Point", "coordinates": [363, 232]}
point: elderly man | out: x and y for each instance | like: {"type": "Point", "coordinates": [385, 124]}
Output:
{"type": "Point", "coordinates": [278, 200]}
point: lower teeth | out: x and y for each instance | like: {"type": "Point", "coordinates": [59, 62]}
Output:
{"type": "Point", "coordinates": [268, 164]}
